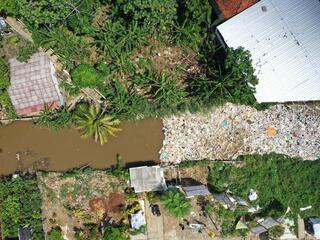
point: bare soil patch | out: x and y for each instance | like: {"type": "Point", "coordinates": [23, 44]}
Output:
{"type": "Point", "coordinates": [82, 198]}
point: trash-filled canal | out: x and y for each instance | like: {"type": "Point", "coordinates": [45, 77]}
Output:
{"type": "Point", "coordinates": [24, 145]}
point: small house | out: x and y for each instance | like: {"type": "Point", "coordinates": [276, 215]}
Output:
{"type": "Point", "coordinates": [283, 38]}
{"type": "Point", "coordinates": [33, 85]}
{"type": "Point", "coordinates": [147, 179]}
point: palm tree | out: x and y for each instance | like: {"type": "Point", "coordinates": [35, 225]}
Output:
{"type": "Point", "coordinates": [92, 121]}
{"type": "Point", "coordinates": [176, 203]}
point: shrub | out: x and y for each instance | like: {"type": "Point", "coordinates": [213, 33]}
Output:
{"type": "Point", "coordinates": [152, 15]}
{"type": "Point", "coordinates": [4, 75]}
{"type": "Point", "coordinates": [5, 101]}
{"type": "Point", "coordinates": [119, 233]}
{"type": "Point", "coordinates": [20, 205]}
{"type": "Point", "coordinates": [54, 118]}
{"type": "Point", "coordinates": [9, 7]}
{"type": "Point", "coordinates": [175, 203]}
{"type": "Point", "coordinates": [85, 75]}
{"type": "Point", "coordinates": [280, 181]}
{"type": "Point", "coordinates": [25, 50]}
{"type": "Point", "coordinates": [55, 234]}
{"type": "Point", "coordinates": [242, 80]}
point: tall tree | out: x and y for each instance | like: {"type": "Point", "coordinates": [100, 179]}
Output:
{"type": "Point", "coordinates": [92, 121]}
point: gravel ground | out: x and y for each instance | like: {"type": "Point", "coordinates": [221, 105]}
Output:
{"type": "Point", "coordinates": [232, 130]}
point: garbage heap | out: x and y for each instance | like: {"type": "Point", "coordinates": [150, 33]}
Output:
{"type": "Point", "coordinates": [231, 130]}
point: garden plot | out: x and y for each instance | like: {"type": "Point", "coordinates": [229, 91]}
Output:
{"type": "Point", "coordinates": [232, 130]}
{"type": "Point", "coordinates": [71, 201]}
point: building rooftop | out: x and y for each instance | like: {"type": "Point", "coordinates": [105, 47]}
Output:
{"type": "Point", "coordinates": [200, 190]}
{"type": "Point", "coordinates": [233, 7]}
{"type": "Point", "coordinates": [147, 179]}
{"type": "Point", "coordinates": [283, 38]}
{"type": "Point", "coordinates": [33, 84]}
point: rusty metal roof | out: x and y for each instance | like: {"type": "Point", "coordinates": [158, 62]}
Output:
{"type": "Point", "coordinates": [233, 7]}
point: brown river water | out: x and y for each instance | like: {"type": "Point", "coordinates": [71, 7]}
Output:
{"type": "Point", "coordinates": [23, 145]}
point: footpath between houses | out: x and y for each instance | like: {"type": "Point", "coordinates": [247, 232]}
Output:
{"type": "Point", "coordinates": [232, 130]}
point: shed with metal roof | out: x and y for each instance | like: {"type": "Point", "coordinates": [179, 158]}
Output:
{"type": "Point", "coordinates": [283, 38]}
{"type": "Point", "coordinates": [147, 179]}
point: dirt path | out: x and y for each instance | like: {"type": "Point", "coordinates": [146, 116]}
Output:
{"type": "Point", "coordinates": [154, 224]}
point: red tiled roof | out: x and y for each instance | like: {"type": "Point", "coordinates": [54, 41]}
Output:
{"type": "Point", "coordinates": [229, 8]}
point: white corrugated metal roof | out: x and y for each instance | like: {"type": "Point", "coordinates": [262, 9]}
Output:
{"type": "Point", "coordinates": [283, 37]}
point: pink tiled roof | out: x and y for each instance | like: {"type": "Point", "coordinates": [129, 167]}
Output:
{"type": "Point", "coordinates": [32, 85]}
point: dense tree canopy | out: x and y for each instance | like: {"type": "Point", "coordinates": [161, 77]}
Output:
{"type": "Point", "coordinates": [186, 67]}
{"type": "Point", "coordinates": [20, 205]}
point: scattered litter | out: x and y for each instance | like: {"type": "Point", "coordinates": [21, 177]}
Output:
{"type": "Point", "coordinates": [224, 123]}
{"type": "Point", "coordinates": [254, 209]}
{"type": "Point", "coordinates": [305, 208]}
{"type": "Point", "coordinates": [196, 226]}
{"type": "Point", "coordinates": [258, 230]}
{"type": "Point", "coordinates": [253, 195]}
{"type": "Point", "coordinates": [271, 131]}
{"type": "Point", "coordinates": [241, 225]}
{"type": "Point", "coordinates": [269, 223]}
{"type": "Point", "coordinates": [232, 130]}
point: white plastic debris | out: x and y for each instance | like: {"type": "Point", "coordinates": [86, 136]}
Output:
{"type": "Point", "coordinates": [14, 176]}
{"type": "Point", "coordinates": [254, 209]}
{"type": "Point", "coordinates": [253, 195]}
{"type": "Point", "coordinates": [305, 208]}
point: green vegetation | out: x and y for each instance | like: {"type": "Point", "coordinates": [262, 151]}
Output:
{"type": "Point", "coordinates": [229, 220]}
{"type": "Point", "coordinates": [280, 181]}
{"type": "Point", "coordinates": [85, 75]}
{"type": "Point", "coordinates": [8, 6]}
{"type": "Point", "coordinates": [5, 101]}
{"type": "Point", "coordinates": [20, 205]}
{"type": "Point", "coordinates": [175, 203]}
{"type": "Point", "coordinates": [25, 50]}
{"type": "Point", "coordinates": [118, 170]}
{"type": "Point", "coordinates": [90, 231]}
{"type": "Point", "coordinates": [147, 58]}
{"type": "Point", "coordinates": [55, 234]}
{"type": "Point", "coordinates": [54, 118]}
{"type": "Point", "coordinates": [92, 121]}
{"type": "Point", "coordinates": [119, 233]}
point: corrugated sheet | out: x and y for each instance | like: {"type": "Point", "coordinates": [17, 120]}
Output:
{"type": "Point", "coordinates": [199, 190]}
{"type": "Point", "coordinates": [146, 179]}
{"type": "Point", "coordinates": [284, 40]}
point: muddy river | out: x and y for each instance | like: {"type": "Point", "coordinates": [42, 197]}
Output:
{"type": "Point", "coordinates": [23, 145]}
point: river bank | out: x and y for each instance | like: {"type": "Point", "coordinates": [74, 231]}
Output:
{"type": "Point", "coordinates": [24, 145]}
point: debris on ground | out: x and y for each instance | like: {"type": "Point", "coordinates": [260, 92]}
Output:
{"type": "Point", "coordinates": [231, 130]}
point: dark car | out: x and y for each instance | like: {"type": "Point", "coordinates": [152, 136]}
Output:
{"type": "Point", "coordinates": [155, 210]}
